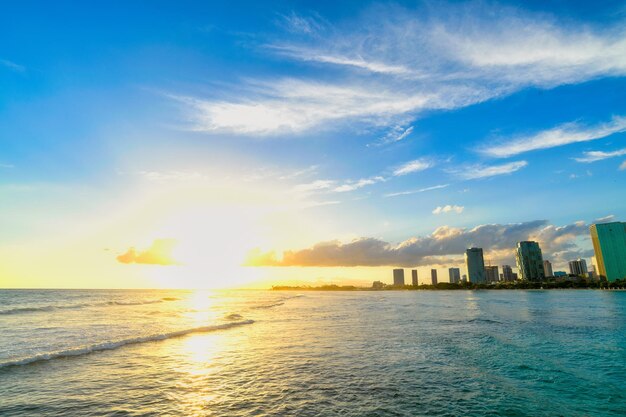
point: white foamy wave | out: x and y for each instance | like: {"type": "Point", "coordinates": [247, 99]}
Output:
{"type": "Point", "coordinates": [266, 306]}
{"type": "Point", "coordinates": [119, 343]}
{"type": "Point", "coordinates": [19, 310]}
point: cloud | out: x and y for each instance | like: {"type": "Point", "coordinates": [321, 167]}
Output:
{"type": "Point", "coordinates": [413, 166]}
{"type": "Point", "coordinates": [593, 156]}
{"type": "Point", "coordinates": [300, 24]}
{"type": "Point", "coordinates": [391, 64]}
{"type": "Point", "coordinates": [448, 209]}
{"type": "Point", "coordinates": [7, 166]}
{"type": "Point", "coordinates": [421, 190]}
{"type": "Point", "coordinates": [160, 253]}
{"type": "Point", "coordinates": [622, 166]}
{"type": "Point", "coordinates": [396, 134]}
{"type": "Point", "coordinates": [564, 134]}
{"type": "Point", "coordinates": [316, 185]}
{"type": "Point", "coordinates": [445, 241]}
{"type": "Point", "coordinates": [305, 54]}
{"type": "Point", "coordinates": [481, 171]}
{"type": "Point", "coordinates": [354, 185]}
{"type": "Point", "coordinates": [172, 175]}
{"type": "Point", "coordinates": [12, 65]}
{"type": "Point", "coordinates": [605, 219]}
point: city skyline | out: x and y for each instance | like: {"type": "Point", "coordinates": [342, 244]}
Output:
{"type": "Point", "coordinates": [303, 142]}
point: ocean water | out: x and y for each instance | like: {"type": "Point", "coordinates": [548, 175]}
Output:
{"type": "Point", "coordinates": [264, 353]}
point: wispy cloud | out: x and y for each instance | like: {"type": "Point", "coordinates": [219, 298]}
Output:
{"type": "Point", "coordinates": [172, 175]}
{"type": "Point", "coordinates": [305, 54]}
{"type": "Point", "coordinates": [564, 134]}
{"type": "Point", "coordinates": [593, 156]}
{"type": "Point", "coordinates": [448, 209]}
{"type": "Point", "coordinates": [396, 134]}
{"type": "Point", "coordinates": [159, 253]}
{"type": "Point", "coordinates": [316, 185]}
{"type": "Point", "coordinates": [12, 65]}
{"type": "Point", "coordinates": [7, 166]}
{"type": "Point", "coordinates": [413, 166]}
{"type": "Point", "coordinates": [300, 24]}
{"type": "Point", "coordinates": [355, 185]}
{"type": "Point", "coordinates": [622, 166]}
{"type": "Point", "coordinates": [402, 62]}
{"type": "Point", "coordinates": [484, 171]}
{"type": "Point", "coordinates": [421, 190]}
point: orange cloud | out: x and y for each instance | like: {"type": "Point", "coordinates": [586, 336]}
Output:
{"type": "Point", "coordinates": [158, 254]}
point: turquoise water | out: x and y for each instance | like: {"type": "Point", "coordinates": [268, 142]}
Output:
{"type": "Point", "coordinates": [240, 353]}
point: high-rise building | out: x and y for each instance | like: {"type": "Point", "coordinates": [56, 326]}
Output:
{"type": "Point", "coordinates": [464, 278]}
{"type": "Point", "coordinates": [609, 245]}
{"type": "Point", "coordinates": [398, 277]}
{"type": "Point", "coordinates": [529, 261]}
{"type": "Point", "coordinates": [455, 275]}
{"type": "Point", "coordinates": [475, 265]}
{"type": "Point", "coordinates": [414, 277]}
{"type": "Point", "coordinates": [547, 269]}
{"type": "Point", "coordinates": [433, 276]}
{"type": "Point", "coordinates": [507, 273]}
{"type": "Point", "coordinates": [491, 274]}
{"type": "Point", "coordinates": [578, 267]}
{"type": "Point", "coordinates": [515, 277]}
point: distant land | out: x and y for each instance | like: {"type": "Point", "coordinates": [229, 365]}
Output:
{"type": "Point", "coordinates": [519, 285]}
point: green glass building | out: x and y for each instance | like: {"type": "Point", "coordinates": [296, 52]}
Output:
{"type": "Point", "coordinates": [475, 265]}
{"type": "Point", "coordinates": [529, 261]}
{"type": "Point", "coordinates": [609, 244]}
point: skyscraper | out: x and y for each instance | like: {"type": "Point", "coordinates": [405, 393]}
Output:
{"type": "Point", "coordinates": [491, 274]}
{"type": "Point", "coordinates": [609, 244]}
{"type": "Point", "coordinates": [414, 277]}
{"type": "Point", "coordinates": [578, 267]}
{"type": "Point", "coordinates": [547, 269]}
{"type": "Point", "coordinates": [398, 277]}
{"type": "Point", "coordinates": [433, 276]}
{"type": "Point", "coordinates": [455, 275]}
{"type": "Point", "coordinates": [475, 265]}
{"type": "Point", "coordinates": [529, 261]}
{"type": "Point", "coordinates": [507, 273]}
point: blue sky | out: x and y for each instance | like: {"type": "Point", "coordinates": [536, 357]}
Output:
{"type": "Point", "coordinates": [380, 122]}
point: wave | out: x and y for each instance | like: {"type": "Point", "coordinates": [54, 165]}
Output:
{"type": "Point", "coordinates": [19, 310]}
{"type": "Point", "coordinates": [119, 343]}
{"type": "Point", "coordinates": [263, 307]}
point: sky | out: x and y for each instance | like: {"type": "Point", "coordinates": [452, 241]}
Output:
{"type": "Point", "coordinates": [200, 144]}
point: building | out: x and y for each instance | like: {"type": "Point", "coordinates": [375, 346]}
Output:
{"type": "Point", "coordinates": [529, 261]}
{"type": "Point", "coordinates": [377, 285]}
{"type": "Point", "coordinates": [592, 273]}
{"type": "Point", "coordinates": [475, 265]}
{"type": "Point", "coordinates": [414, 277]}
{"type": "Point", "coordinates": [455, 275]}
{"type": "Point", "coordinates": [558, 274]}
{"type": "Point", "coordinates": [433, 276]}
{"type": "Point", "coordinates": [578, 267]}
{"type": "Point", "coordinates": [515, 277]}
{"type": "Point", "coordinates": [398, 277]}
{"type": "Point", "coordinates": [547, 269]}
{"type": "Point", "coordinates": [609, 245]}
{"type": "Point", "coordinates": [491, 274]}
{"type": "Point", "coordinates": [464, 278]}
{"type": "Point", "coordinates": [507, 273]}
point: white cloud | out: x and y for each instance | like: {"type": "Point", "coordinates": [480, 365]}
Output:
{"type": "Point", "coordinates": [421, 190]}
{"type": "Point", "coordinates": [622, 167]}
{"type": "Point", "coordinates": [593, 156]}
{"type": "Point", "coordinates": [413, 166]}
{"type": "Point", "coordinates": [398, 63]}
{"type": "Point", "coordinates": [481, 171]}
{"type": "Point", "coordinates": [12, 65]}
{"type": "Point", "coordinates": [354, 185]}
{"type": "Point", "coordinates": [448, 209]}
{"type": "Point", "coordinates": [316, 185]}
{"type": "Point", "coordinates": [172, 175]}
{"type": "Point", "coordinates": [561, 135]}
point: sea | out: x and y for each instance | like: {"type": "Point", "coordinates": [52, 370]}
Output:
{"type": "Point", "coordinates": [273, 353]}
